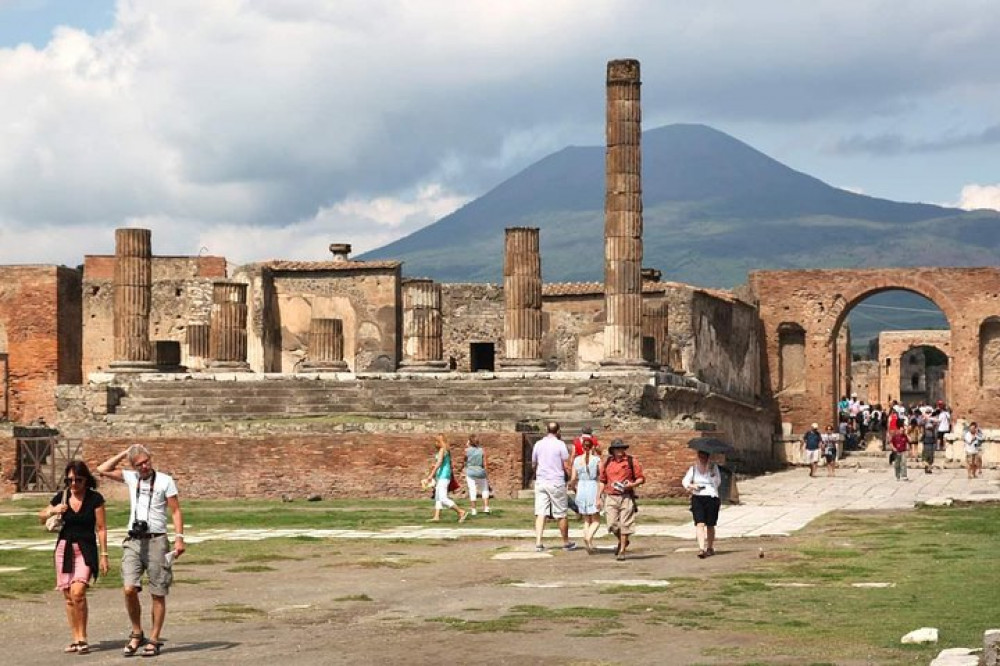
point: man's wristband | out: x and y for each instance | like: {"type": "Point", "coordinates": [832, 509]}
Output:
{"type": "Point", "coordinates": [178, 536]}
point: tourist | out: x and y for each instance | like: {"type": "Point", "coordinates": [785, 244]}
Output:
{"type": "Point", "coordinates": [620, 475]}
{"type": "Point", "coordinates": [914, 433]}
{"type": "Point", "coordinates": [586, 433]}
{"type": "Point", "coordinates": [899, 444]}
{"type": "Point", "coordinates": [147, 549]}
{"type": "Point", "coordinates": [944, 423]}
{"type": "Point", "coordinates": [830, 439]}
{"type": "Point", "coordinates": [702, 480]}
{"type": "Point", "coordinates": [475, 474]}
{"type": "Point", "coordinates": [973, 451]}
{"type": "Point", "coordinates": [441, 476]}
{"type": "Point", "coordinates": [550, 464]}
{"type": "Point", "coordinates": [929, 440]}
{"type": "Point", "coordinates": [584, 478]}
{"type": "Point", "coordinates": [810, 446]}
{"type": "Point", "coordinates": [81, 547]}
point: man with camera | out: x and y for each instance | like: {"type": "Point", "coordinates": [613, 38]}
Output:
{"type": "Point", "coordinates": [619, 477]}
{"type": "Point", "coordinates": [147, 549]}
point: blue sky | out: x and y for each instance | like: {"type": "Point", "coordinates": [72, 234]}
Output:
{"type": "Point", "coordinates": [269, 128]}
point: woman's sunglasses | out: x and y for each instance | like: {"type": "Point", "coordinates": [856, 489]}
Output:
{"type": "Point", "coordinates": [70, 480]}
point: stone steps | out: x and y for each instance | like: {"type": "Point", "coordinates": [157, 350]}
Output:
{"type": "Point", "coordinates": [207, 417]}
{"type": "Point", "coordinates": [880, 460]}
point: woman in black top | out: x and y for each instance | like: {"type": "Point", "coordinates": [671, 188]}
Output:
{"type": "Point", "coordinates": [77, 558]}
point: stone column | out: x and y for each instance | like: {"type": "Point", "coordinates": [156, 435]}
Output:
{"type": "Point", "coordinates": [197, 337]}
{"type": "Point", "coordinates": [522, 295]}
{"type": "Point", "coordinates": [422, 346]}
{"type": "Point", "coordinates": [228, 336]}
{"type": "Point", "coordinates": [133, 293]}
{"type": "Point", "coordinates": [623, 219]}
{"type": "Point", "coordinates": [326, 347]}
{"type": "Point", "coordinates": [654, 328]}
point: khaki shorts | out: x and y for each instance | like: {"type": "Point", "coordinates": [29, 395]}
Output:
{"type": "Point", "coordinates": [620, 512]}
{"type": "Point", "coordinates": [551, 500]}
{"type": "Point", "coordinates": [812, 456]}
{"type": "Point", "coordinates": [147, 556]}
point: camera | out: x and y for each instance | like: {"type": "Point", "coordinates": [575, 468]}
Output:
{"type": "Point", "coordinates": [619, 486]}
{"type": "Point", "coordinates": [140, 528]}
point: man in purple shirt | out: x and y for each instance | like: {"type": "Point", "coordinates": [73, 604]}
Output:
{"type": "Point", "coordinates": [550, 462]}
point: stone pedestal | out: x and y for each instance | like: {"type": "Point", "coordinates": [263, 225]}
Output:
{"type": "Point", "coordinates": [132, 293]}
{"type": "Point", "coordinates": [623, 219]}
{"type": "Point", "coordinates": [326, 347]}
{"type": "Point", "coordinates": [228, 335]}
{"type": "Point", "coordinates": [422, 344]}
{"type": "Point", "coordinates": [522, 292]}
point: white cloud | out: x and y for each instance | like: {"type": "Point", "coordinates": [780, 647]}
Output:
{"type": "Point", "coordinates": [974, 197]}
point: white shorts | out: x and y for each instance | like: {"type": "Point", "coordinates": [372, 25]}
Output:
{"type": "Point", "coordinates": [478, 486]}
{"type": "Point", "coordinates": [813, 456]}
{"type": "Point", "coordinates": [550, 500]}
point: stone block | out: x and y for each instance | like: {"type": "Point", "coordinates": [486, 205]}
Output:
{"type": "Point", "coordinates": [922, 635]}
{"type": "Point", "coordinates": [991, 647]}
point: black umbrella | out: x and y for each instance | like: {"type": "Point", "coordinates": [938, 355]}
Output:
{"type": "Point", "coordinates": [711, 445]}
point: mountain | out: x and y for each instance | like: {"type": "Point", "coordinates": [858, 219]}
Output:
{"type": "Point", "coordinates": [714, 209]}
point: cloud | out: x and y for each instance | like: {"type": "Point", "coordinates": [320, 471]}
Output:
{"type": "Point", "coordinates": [974, 197]}
{"type": "Point", "coordinates": [896, 144]}
{"type": "Point", "coordinates": [251, 124]}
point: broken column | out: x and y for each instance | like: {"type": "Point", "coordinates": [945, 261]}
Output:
{"type": "Point", "coordinates": [654, 333]}
{"type": "Point", "coordinates": [132, 291]}
{"type": "Point", "coordinates": [422, 347]}
{"type": "Point", "coordinates": [197, 338]}
{"type": "Point", "coordinates": [326, 347]}
{"type": "Point", "coordinates": [522, 294]}
{"type": "Point", "coordinates": [623, 219]}
{"type": "Point", "coordinates": [228, 334]}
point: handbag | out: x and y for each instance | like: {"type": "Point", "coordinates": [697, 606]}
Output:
{"type": "Point", "coordinates": [453, 484]}
{"type": "Point", "coordinates": [54, 523]}
{"type": "Point", "coordinates": [892, 457]}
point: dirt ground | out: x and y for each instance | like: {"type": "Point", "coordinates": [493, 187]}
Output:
{"type": "Point", "coordinates": [383, 602]}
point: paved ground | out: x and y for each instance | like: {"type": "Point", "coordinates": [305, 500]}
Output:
{"type": "Point", "coordinates": [771, 505]}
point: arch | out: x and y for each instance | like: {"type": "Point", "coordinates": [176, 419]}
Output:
{"type": "Point", "coordinates": [844, 303]}
{"type": "Point", "coordinates": [989, 352]}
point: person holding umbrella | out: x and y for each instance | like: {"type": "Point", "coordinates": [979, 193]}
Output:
{"type": "Point", "coordinates": [702, 480]}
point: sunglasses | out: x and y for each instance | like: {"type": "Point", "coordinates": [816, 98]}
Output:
{"type": "Point", "coordinates": [70, 480]}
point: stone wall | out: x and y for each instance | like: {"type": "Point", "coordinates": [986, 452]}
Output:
{"type": "Point", "coordinates": [900, 358]}
{"type": "Point", "coordinates": [39, 328]}
{"type": "Point", "coordinates": [181, 293]}
{"type": "Point", "coordinates": [866, 381]}
{"type": "Point", "coordinates": [573, 326]}
{"type": "Point", "coordinates": [471, 313]}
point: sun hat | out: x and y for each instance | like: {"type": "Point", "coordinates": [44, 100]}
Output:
{"type": "Point", "coordinates": [618, 444]}
{"type": "Point", "coordinates": [815, 426]}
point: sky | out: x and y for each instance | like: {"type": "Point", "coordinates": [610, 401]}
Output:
{"type": "Point", "coordinates": [261, 129]}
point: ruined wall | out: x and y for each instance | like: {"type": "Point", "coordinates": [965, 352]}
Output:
{"type": "Point", "coordinates": [900, 359]}
{"type": "Point", "coordinates": [471, 313]}
{"type": "Point", "coordinates": [819, 300]}
{"type": "Point", "coordinates": [41, 342]}
{"type": "Point", "coordinates": [865, 381]}
{"type": "Point", "coordinates": [181, 293]}
{"type": "Point", "coordinates": [285, 296]}
{"type": "Point", "coordinates": [573, 331]}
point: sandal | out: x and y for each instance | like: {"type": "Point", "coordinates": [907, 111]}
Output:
{"type": "Point", "coordinates": [83, 647]}
{"type": "Point", "coordinates": [139, 639]}
{"type": "Point", "coordinates": [71, 648]}
{"type": "Point", "coordinates": [702, 554]}
{"type": "Point", "coordinates": [152, 649]}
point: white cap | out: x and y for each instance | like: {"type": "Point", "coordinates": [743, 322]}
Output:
{"type": "Point", "coordinates": [815, 426]}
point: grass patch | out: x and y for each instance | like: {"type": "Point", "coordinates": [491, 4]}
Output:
{"type": "Point", "coordinates": [250, 568]}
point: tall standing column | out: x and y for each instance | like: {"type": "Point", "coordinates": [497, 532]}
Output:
{"type": "Point", "coordinates": [326, 347]}
{"type": "Point", "coordinates": [133, 286]}
{"type": "Point", "coordinates": [422, 346]}
{"type": "Point", "coordinates": [623, 219]}
{"type": "Point", "coordinates": [522, 294]}
{"type": "Point", "coordinates": [228, 335]}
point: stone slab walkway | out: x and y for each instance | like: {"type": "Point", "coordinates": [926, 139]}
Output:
{"type": "Point", "coordinates": [772, 505]}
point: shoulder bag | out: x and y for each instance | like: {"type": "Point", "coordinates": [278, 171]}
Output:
{"type": "Point", "coordinates": [54, 523]}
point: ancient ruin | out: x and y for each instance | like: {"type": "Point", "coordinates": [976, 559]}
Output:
{"type": "Point", "coordinates": [301, 365]}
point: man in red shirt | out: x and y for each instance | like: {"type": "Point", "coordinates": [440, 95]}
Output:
{"type": "Point", "coordinates": [900, 444]}
{"type": "Point", "coordinates": [620, 475]}
{"type": "Point", "coordinates": [586, 433]}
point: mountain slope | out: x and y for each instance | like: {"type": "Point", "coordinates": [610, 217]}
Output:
{"type": "Point", "coordinates": [714, 209]}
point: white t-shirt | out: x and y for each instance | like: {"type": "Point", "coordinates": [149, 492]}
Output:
{"type": "Point", "coordinates": [153, 511]}
{"type": "Point", "coordinates": [710, 482]}
{"type": "Point", "coordinates": [973, 443]}
{"type": "Point", "coordinates": [944, 421]}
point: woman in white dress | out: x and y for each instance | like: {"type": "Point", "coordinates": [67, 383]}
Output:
{"type": "Point", "coordinates": [586, 471]}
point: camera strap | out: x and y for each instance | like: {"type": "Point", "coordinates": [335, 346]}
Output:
{"type": "Point", "coordinates": [149, 504]}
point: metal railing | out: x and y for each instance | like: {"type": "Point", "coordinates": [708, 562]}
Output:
{"type": "Point", "coordinates": [41, 461]}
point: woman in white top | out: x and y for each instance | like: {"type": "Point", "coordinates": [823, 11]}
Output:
{"type": "Point", "coordinates": [702, 481]}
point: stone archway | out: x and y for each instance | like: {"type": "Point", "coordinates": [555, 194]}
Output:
{"type": "Point", "coordinates": [893, 345]}
{"type": "Point", "coordinates": [819, 300]}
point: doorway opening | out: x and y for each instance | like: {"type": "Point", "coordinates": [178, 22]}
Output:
{"type": "Point", "coordinates": [482, 357]}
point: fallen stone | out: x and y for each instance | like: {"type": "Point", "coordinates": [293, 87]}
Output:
{"type": "Point", "coordinates": [541, 586]}
{"type": "Point", "coordinates": [873, 585]}
{"type": "Point", "coordinates": [957, 657]}
{"type": "Point", "coordinates": [939, 501]}
{"type": "Point", "coordinates": [521, 555]}
{"type": "Point", "coordinates": [991, 647]}
{"type": "Point", "coordinates": [633, 582]}
{"type": "Point", "coordinates": [314, 498]}
{"type": "Point", "coordinates": [922, 635]}
{"type": "Point", "coordinates": [791, 584]}
{"type": "Point", "coordinates": [4, 570]}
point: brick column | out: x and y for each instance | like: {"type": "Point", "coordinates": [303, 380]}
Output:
{"type": "Point", "coordinates": [522, 295]}
{"type": "Point", "coordinates": [197, 338]}
{"type": "Point", "coordinates": [326, 347]}
{"type": "Point", "coordinates": [654, 327]}
{"type": "Point", "coordinates": [228, 335]}
{"type": "Point", "coordinates": [422, 345]}
{"type": "Point", "coordinates": [132, 292]}
{"type": "Point", "coordinates": [623, 219]}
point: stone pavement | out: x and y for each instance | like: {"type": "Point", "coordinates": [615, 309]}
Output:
{"type": "Point", "coordinates": [772, 505]}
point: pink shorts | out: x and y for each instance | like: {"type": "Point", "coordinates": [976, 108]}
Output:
{"type": "Point", "coordinates": [81, 572]}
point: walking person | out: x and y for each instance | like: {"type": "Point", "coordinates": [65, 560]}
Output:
{"type": "Point", "coordinates": [475, 474]}
{"type": "Point", "coordinates": [830, 439]}
{"type": "Point", "coordinates": [147, 550]}
{"type": "Point", "coordinates": [973, 450]}
{"type": "Point", "coordinates": [929, 440]}
{"type": "Point", "coordinates": [441, 477]}
{"type": "Point", "coordinates": [944, 423]}
{"type": "Point", "coordinates": [810, 446]}
{"type": "Point", "coordinates": [899, 444]}
{"type": "Point", "coordinates": [550, 464]}
{"type": "Point", "coordinates": [619, 476]}
{"type": "Point", "coordinates": [584, 477]}
{"type": "Point", "coordinates": [702, 480]}
{"type": "Point", "coordinates": [81, 547]}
